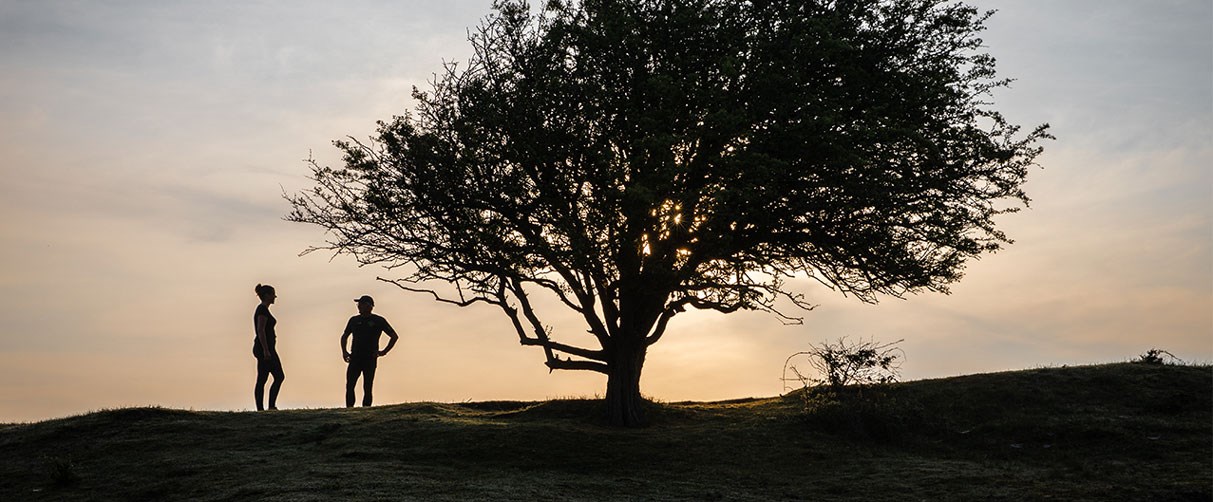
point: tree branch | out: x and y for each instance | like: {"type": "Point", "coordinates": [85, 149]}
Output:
{"type": "Point", "coordinates": [565, 364]}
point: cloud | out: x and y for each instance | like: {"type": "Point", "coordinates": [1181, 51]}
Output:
{"type": "Point", "coordinates": [1110, 75]}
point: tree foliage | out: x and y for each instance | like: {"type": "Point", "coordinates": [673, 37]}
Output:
{"type": "Point", "coordinates": [635, 158]}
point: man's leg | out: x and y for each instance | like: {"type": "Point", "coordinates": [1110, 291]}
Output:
{"type": "Point", "coordinates": [351, 379]}
{"type": "Point", "coordinates": [368, 381]}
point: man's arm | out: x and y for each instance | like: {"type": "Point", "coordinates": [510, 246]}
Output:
{"type": "Point", "coordinates": [391, 338]}
{"type": "Point", "coordinates": [345, 337]}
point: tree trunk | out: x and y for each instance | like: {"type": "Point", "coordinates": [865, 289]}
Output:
{"type": "Point", "coordinates": [625, 407]}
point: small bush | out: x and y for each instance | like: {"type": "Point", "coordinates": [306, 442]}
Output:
{"type": "Point", "coordinates": [61, 472]}
{"type": "Point", "coordinates": [844, 363]}
{"type": "Point", "coordinates": [872, 415]}
{"type": "Point", "coordinates": [846, 392]}
{"type": "Point", "coordinates": [1158, 357]}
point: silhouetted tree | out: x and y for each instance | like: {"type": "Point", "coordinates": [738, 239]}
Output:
{"type": "Point", "coordinates": [633, 158]}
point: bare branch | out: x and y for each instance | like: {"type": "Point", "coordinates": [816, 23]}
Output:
{"type": "Point", "coordinates": [565, 364]}
{"type": "Point", "coordinates": [439, 298]}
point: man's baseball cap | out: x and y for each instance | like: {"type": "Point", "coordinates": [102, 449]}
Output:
{"type": "Point", "coordinates": [366, 299]}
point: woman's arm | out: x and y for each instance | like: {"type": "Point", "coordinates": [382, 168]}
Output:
{"type": "Point", "coordinates": [261, 337]}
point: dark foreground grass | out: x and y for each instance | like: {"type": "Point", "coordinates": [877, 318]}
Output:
{"type": "Point", "coordinates": [1112, 432]}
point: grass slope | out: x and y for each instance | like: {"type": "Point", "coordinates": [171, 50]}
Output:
{"type": "Point", "coordinates": [1111, 432]}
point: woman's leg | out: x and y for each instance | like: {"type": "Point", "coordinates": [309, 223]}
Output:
{"type": "Point", "coordinates": [276, 370]}
{"type": "Point", "coordinates": [263, 374]}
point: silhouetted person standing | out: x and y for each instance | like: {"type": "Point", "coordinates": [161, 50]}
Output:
{"type": "Point", "coordinates": [364, 353]}
{"type": "Point", "coordinates": [265, 348]}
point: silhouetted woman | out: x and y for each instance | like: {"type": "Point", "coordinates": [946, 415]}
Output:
{"type": "Point", "coordinates": [265, 349]}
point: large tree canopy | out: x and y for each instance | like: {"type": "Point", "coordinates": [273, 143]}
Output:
{"type": "Point", "coordinates": [634, 158]}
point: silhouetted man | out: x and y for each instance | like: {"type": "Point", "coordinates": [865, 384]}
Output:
{"type": "Point", "coordinates": [364, 354]}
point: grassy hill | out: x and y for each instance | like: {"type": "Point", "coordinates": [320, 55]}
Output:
{"type": "Point", "coordinates": [1110, 432]}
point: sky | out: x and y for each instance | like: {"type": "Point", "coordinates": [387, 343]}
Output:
{"type": "Point", "coordinates": [145, 147]}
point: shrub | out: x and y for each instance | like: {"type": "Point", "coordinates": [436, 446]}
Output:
{"type": "Point", "coordinates": [874, 415]}
{"type": "Point", "coordinates": [61, 472]}
{"type": "Point", "coordinates": [1158, 357]}
{"type": "Point", "coordinates": [843, 363]}
{"type": "Point", "coordinates": [846, 391]}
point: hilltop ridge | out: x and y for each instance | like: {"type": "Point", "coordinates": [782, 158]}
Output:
{"type": "Point", "coordinates": [1108, 432]}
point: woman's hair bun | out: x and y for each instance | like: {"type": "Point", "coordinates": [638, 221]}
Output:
{"type": "Point", "coordinates": [263, 290]}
